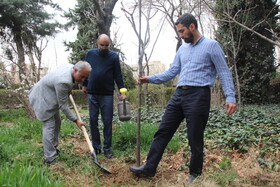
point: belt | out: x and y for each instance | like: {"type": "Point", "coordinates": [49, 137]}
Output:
{"type": "Point", "coordinates": [189, 87]}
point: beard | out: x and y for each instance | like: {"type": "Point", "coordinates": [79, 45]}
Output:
{"type": "Point", "coordinates": [189, 39]}
{"type": "Point", "coordinates": [103, 52]}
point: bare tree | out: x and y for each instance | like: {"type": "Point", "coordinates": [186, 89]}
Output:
{"type": "Point", "coordinates": [9, 71]}
{"type": "Point", "coordinates": [144, 11]}
{"type": "Point", "coordinates": [172, 9]}
{"type": "Point", "coordinates": [232, 19]}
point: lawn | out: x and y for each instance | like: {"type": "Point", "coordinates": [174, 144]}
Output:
{"type": "Point", "coordinates": [240, 150]}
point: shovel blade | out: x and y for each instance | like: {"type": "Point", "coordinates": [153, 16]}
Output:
{"type": "Point", "coordinates": [99, 165]}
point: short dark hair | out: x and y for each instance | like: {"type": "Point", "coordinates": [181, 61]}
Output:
{"type": "Point", "coordinates": [186, 19]}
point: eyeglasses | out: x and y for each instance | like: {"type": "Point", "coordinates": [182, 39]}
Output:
{"type": "Point", "coordinates": [104, 45]}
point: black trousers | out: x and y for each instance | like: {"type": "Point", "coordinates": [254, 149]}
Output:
{"type": "Point", "coordinates": [192, 104]}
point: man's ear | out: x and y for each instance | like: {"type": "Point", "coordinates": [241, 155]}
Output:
{"type": "Point", "coordinates": [75, 71]}
{"type": "Point", "coordinates": [192, 27]}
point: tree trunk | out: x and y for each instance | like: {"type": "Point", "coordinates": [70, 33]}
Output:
{"type": "Point", "coordinates": [238, 87]}
{"type": "Point", "coordinates": [20, 52]}
{"type": "Point", "coordinates": [104, 15]}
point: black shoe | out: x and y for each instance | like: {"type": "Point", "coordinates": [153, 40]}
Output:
{"type": "Point", "coordinates": [97, 151]}
{"type": "Point", "coordinates": [57, 152]}
{"type": "Point", "coordinates": [142, 171]}
{"type": "Point", "coordinates": [191, 179]}
{"type": "Point", "coordinates": [49, 163]}
{"type": "Point", "coordinates": [108, 154]}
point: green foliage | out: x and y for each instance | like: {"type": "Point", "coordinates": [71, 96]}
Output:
{"type": "Point", "coordinates": [225, 164]}
{"type": "Point", "coordinates": [159, 95]}
{"type": "Point", "coordinates": [127, 75]}
{"type": "Point", "coordinates": [27, 129]}
{"type": "Point", "coordinates": [27, 21]}
{"type": "Point", "coordinates": [68, 128]}
{"type": "Point", "coordinates": [29, 15]}
{"type": "Point", "coordinates": [245, 128]}
{"type": "Point", "coordinates": [11, 115]}
{"type": "Point", "coordinates": [18, 174]}
{"type": "Point", "coordinates": [87, 30]}
{"type": "Point", "coordinates": [224, 177]}
{"type": "Point", "coordinates": [17, 142]}
{"type": "Point", "coordinates": [275, 89]}
{"type": "Point", "coordinates": [253, 125]}
{"type": "Point", "coordinates": [68, 156]}
{"type": "Point", "coordinates": [124, 139]}
{"type": "Point", "coordinates": [253, 56]}
{"type": "Point", "coordinates": [21, 153]}
{"type": "Point", "coordinates": [80, 98]}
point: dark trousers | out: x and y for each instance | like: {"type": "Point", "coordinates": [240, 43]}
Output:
{"type": "Point", "coordinates": [192, 104]}
{"type": "Point", "coordinates": [105, 104]}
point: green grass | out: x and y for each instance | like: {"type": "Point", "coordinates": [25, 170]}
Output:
{"type": "Point", "coordinates": [21, 152]}
{"type": "Point", "coordinates": [11, 115]}
{"type": "Point", "coordinates": [124, 138]}
{"type": "Point", "coordinates": [18, 174]}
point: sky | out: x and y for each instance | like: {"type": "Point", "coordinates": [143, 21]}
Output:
{"type": "Point", "coordinates": [55, 53]}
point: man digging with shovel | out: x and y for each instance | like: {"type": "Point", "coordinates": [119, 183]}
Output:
{"type": "Point", "coordinates": [50, 95]}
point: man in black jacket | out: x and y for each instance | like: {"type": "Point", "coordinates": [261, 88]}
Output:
{"type": "Point", "coordinates": [100, 88]}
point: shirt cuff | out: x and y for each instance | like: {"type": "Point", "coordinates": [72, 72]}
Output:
{"type": "Point", "coordinates": [230, 100]}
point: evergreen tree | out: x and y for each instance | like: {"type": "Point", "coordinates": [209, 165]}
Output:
{"type": "Point", "coordinates": [82, 17]}
{"type": "Point", "coordinates": [24, 23]}
{"type": "Point", "coordinates": [254, 56]}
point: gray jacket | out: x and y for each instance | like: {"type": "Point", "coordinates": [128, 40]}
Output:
{"type": "Point", "coordinates": [51, 93]}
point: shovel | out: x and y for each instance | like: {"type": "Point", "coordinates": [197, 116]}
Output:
{"type": "Point", "coordinates": [92, 152]}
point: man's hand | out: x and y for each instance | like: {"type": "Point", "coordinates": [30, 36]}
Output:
{"type": "Point", "coordinates": [80, 124]}
{"type": "Point", "coordinates": [84, 89]}
{"type": "Point", "coordinates": [122, 97]}
{"type": "Point", "coordinates": [230, 108]}
{"type": "Point", "coordinates": [143, 80]}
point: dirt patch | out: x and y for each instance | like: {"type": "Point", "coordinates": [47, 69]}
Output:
{"type": "Point", "coordinates": [6, 124]}
{"type": "Point", "coordinates": [248, 168]}
{"type": "Point", "coordinates": [168, 173]}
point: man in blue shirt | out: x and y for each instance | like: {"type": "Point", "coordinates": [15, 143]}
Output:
{"type": "Point", "coordinates": [197, 61]}
{"type": "Point", "coordinates": [100, 88]}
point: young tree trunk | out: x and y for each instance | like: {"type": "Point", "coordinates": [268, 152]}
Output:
{"type": "Point", "coordinates": [140, 60]}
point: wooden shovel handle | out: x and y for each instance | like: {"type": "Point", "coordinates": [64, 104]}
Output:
{"type": "Point", "coordinates": [83, 127]}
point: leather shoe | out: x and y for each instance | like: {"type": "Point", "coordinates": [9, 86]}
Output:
{"type": "Point", "coordinates": [108, 154]}
{"type": "Point", "coordinates": [49, 163]}
{"type": "Point", "coordinates": [97, 151]}
{"type": "Point", "coordinates": [191, 179]}
{"type": "Point", "coordinates": [142, 171]}
{"type": "Point", "coordinates": [57, 152]}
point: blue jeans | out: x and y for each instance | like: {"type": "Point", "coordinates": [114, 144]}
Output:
{"type": "Point", "coordinates": [193, 105]}
{"type": "Point", "coordinates": [104, 103]}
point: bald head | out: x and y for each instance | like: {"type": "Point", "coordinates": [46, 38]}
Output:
{"type": "Point", "coordinates": [103, 38]}
{"type": "Point", "coordinates": [103, 43]}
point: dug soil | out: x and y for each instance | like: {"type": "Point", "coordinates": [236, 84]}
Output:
{"type": "Point", "coordinates": [248, 171]}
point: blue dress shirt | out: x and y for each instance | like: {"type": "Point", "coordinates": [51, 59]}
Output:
{"type": "Point", "coordinates": [198, 65]}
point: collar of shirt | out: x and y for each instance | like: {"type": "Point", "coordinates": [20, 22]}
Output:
{"type": "Point", "coordinates": [199, 40]}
